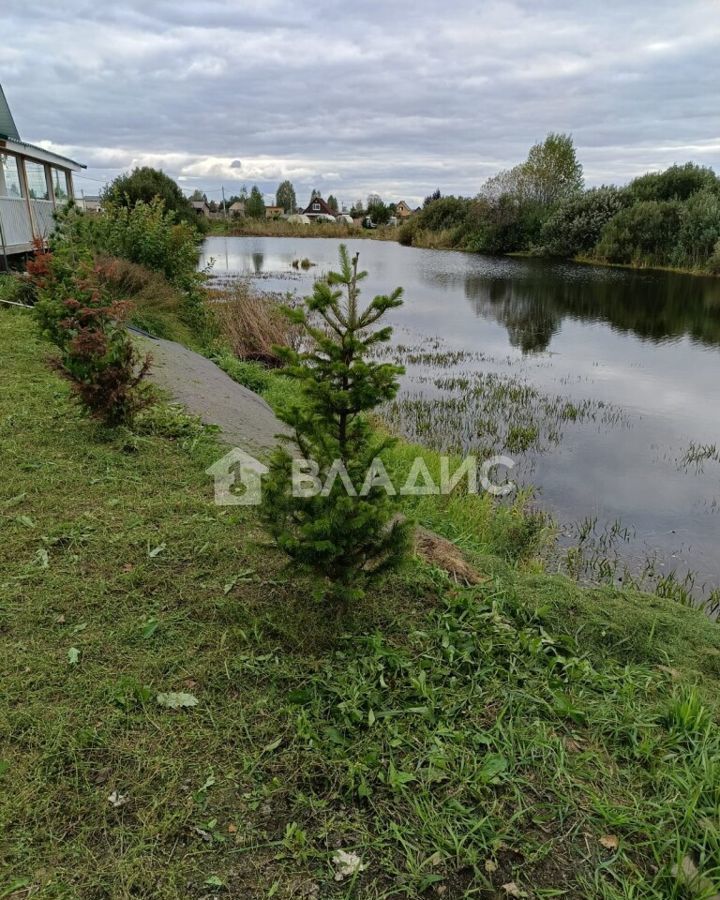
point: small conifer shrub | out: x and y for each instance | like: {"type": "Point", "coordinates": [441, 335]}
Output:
{"type": "Point", "coordinates": [348, 532]}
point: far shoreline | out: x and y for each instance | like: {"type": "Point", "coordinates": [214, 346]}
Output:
{"type": "Point", "coordinates": [280, 229]}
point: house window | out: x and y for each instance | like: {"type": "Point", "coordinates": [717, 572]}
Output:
{"type": "Point", "coordinates": [37, 181]}
{"type": "Point", "coordinates": [316, 206]}
{"type": "Point", "coordinates": [59, 185]}
{"type": "Point", "coordinates": [10, 184]}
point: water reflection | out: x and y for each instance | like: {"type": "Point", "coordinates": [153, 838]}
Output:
{"type": "Point", "coordinates": [258, 260]}
{"type": "Point", "coordinates": [655, 306]}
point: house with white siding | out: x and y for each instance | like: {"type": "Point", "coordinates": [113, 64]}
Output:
{"type": "Point", "coordinates": [33, 184]}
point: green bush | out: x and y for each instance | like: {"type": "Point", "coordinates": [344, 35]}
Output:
{"type": "Point", "coordinates": [147, 234]}
{"type": "Point", "coordinates": [447, 212]}
{"type": "Point", "coordinates": [144, 185]}
{"type": "Point", "coordinates": [645, 234]}
{"type": "Point", "coordinates": [699, 230]}
{"type": "Point", "coordinates": [17, 288]}
{"type": "Point", "coordinates": [575, 226]}
{"type": "Point", "coordinates": [407, 232]}
{"type": "Point", "coordinates": [675, 183]}
{"type": "Point", "coordinates": [713, 265]}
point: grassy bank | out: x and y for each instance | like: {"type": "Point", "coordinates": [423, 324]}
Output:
{"type": "Point", "coordinates": [524, 732]}
{"type": "Point", "coordinates": [443, 240]}
{"type": "Point", "coordinates": [283, 228]}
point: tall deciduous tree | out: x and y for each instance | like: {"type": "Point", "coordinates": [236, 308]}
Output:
{"type": "Point", "coordinates": [552, 171]}
{"type": "Point", "coordinates": [347, 535]}
{"type": "Point", "coordinates": [255, 205]}
{"type": "Point", "coordinates": [285, 197]}
{"type": "Point", "coordinates": [332, 203]}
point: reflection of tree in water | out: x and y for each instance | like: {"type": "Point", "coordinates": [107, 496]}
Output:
{"type": "Point", "coordinates": [258, 260]}
{"type": "Point", "coordinates": [531, 324]}
{"type": "Point", "coordinates": [655, 306]}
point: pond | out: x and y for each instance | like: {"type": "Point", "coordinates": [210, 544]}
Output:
{"type": "Point", "coordinates": [603, 384]}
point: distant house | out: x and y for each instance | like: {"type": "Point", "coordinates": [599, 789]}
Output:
{"type": "Point", "coordinates": [33, 184]}
{"type": "Point", "coordinates": [318, 207]}
{"type": "Point", "coordinates": [201, 208]}
{"type": "Point", "coordinates": [90, 203]}
{"type": "Point", "coordinates": [273, 212]}
{"type": "Point", "coordinates": [237, 209]}
{"type": "Point", "coordinates": [402, 210]}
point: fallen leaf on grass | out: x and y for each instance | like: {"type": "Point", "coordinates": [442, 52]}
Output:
{"type": "Point", "coordinates": [176, 700]}
{"type": "Point", "coordinates": [149, 629]}
{"type": "Point", "coordinates": [347, 864]}
{"type": "Point", "coordinates": [73, 656]}
{"type": "Point", "coordinates": [493, 766]}
{"type": "Point", "coordinates": [610, 841]}
{"type": "Point", "coordinates": [689, 874]}
{"type": "Point", "coordinates": [117, 800]}
{"type": "Point", "coordinates": [512, 890]}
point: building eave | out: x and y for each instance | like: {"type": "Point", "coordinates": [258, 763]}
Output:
{"type": "Point", "coordinates": [38, 153]}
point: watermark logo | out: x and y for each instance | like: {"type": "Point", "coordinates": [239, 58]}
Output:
{"type": "Point", "coordinates": [239, 469]}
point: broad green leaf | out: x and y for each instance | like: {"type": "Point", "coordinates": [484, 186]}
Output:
{"type": "Point", "coordinates": [493, 765]}
{"type": "Point", "coordinates": [150, 628]}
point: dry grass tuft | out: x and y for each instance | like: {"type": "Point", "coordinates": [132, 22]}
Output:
{"type": "Point", "coordinates": [438, 551]}
{"type": "Point", "coordinates": [252, 325]}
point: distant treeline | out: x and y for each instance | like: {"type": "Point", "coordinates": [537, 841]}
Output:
{"type": "Point", "coordinates": [669, 218]}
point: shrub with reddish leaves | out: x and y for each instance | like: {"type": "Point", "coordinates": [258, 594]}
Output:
{"type": "Point", "coordinates": [97, 356]}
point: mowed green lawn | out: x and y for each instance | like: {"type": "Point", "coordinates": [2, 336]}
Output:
{"type": "Point", "coordinates": [522, 738]}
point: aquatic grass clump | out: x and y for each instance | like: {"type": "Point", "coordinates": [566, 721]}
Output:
{"type": "Point", "coordinates": [486, 413]}
{"type": "Point", "coordinates": [591, 553]}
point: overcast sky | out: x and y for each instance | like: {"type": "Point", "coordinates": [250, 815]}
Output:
{"type": "Point", "coordinates": [393, 96]}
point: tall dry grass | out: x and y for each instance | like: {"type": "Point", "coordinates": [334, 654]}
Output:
{"type": "Point", "coordinates": [252, 325]}
{"type": "Point", "coordinates": [158, 306]}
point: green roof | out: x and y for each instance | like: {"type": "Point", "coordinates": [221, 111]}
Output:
{"type": "Point", "coordinates": [8, 128]}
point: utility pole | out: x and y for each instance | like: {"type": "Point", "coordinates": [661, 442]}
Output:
{"type": "Point", "coordinates": [224, 206]}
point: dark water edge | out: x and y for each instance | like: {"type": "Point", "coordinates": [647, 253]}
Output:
{"type": "Point", "coordinates": [617, 372]}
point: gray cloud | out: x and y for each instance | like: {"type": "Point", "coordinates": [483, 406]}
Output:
{"type": "Point", "coordinates": [396, 97]}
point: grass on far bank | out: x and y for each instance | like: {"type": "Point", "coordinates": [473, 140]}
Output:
{"type": "Point", "coordinates": [525, 733]}
{"type": "Point", "coordinates": [283, 228]}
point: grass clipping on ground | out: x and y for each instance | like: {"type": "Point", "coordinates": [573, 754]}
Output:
{"type": "Point", "coordinates": [179, 720]}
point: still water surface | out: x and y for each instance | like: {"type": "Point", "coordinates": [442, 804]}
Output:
{"type": "Point", "coordinates": [642, 347]}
